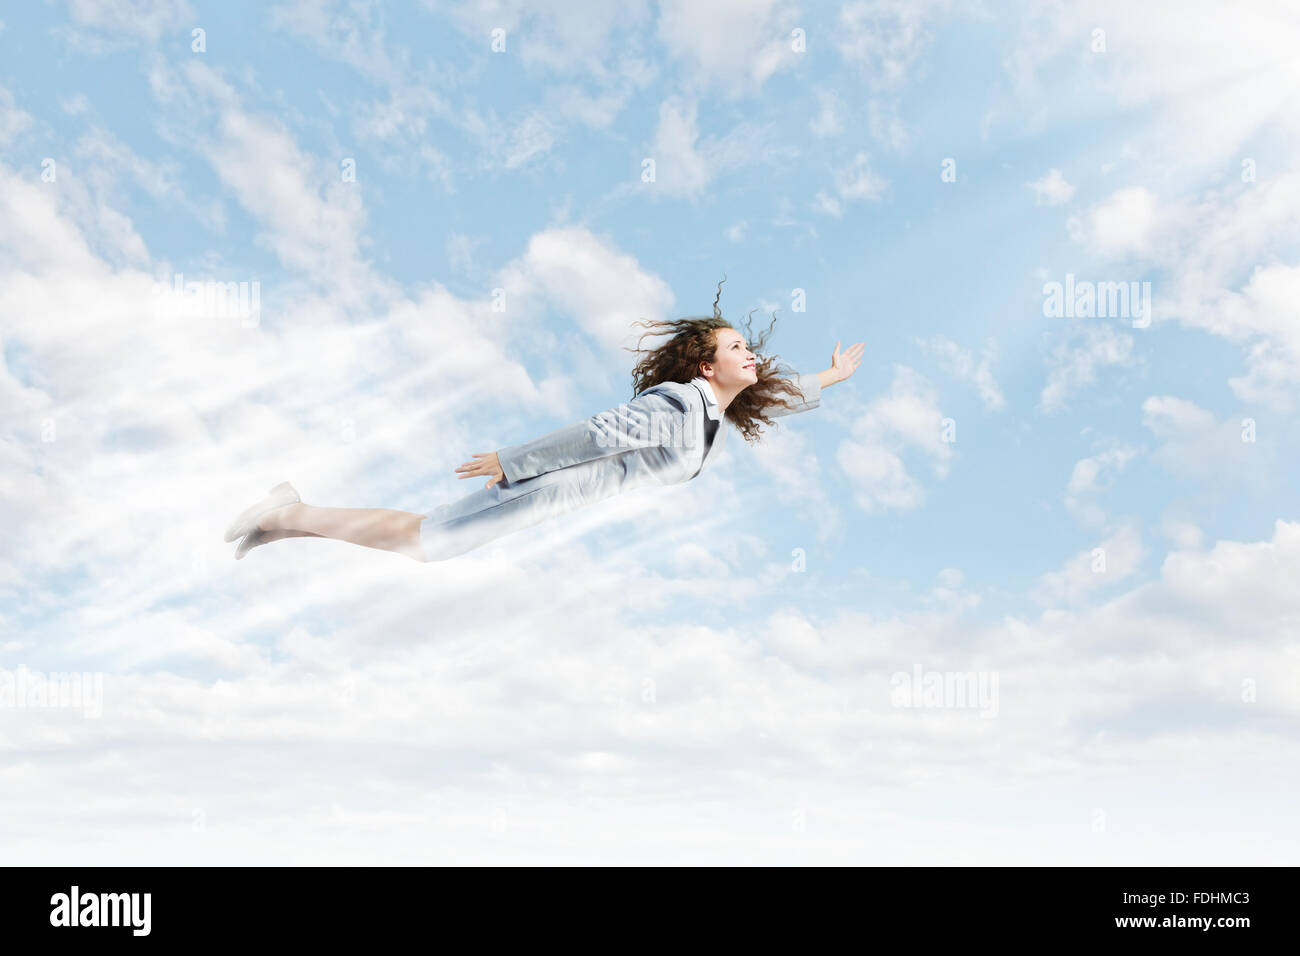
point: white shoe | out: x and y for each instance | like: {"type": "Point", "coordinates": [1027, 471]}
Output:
{"type": "Point", "coordinates": [248, 542]}
{"type": "Point", "coordinates": [255, 538]}
{"type": "Point", "coordinates": [279, 496]}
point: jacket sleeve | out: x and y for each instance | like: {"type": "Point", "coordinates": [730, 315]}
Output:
{"type": "Point", "coordinates": [655, 417]}
{"type": "Point", "coordinates": [811, 386]}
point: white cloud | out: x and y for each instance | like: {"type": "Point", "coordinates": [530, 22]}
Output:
{"type": "Point", "coordinates": [355, 34]}
{"type": "Point", "coordinates": [597, 111]}
{"type": "Point", "coordinates": [1205, 86]}
{"type": "Point", "coordinates": [827, 122]}
{"type": "Point", "coordinates": [886, 125]}
{"type": "Point", "coordinates": [1215, 257]}
{"type": "Point", "coordinates": [13, 121]}
{"type": "Point", "coordinates": [145, 18]}
{"type": "Point", "coordinates": [310, 218]}
{"type": "Point", "coordinates": [685, 164]}
{"type": "Point", "coordinates": [74, 105]}
{"type": "Point", "coordinates": [37, 235]}
{"type": "Point", "coordinates": [789, 458]}
{"type": "Point", "coordinates": [534, 136]}
{"type": "Point", "coordinates": [351, 32]}
{"type": "Point", "coordinates": [857, 182]}
{"type": "Point", "coordinates": [593, 49]}
{"type": "Point", "coordinates": [1215, 94]}
{"type": "Point", "coordinates": [884, 41]}
{"type": "Point", "coordinates": [1071, 367]}
{"type": "Point", "coordinates": [562, 37]}
{"type": "Point", "coordinates": [1052, 189]}
{"type": "Point", "coordinates": [962, 364]}
{"type": "Point", "coordinates": [1112, 560]}
{"type": "Point", "coordinates": [1265, 309]}
{"type": "Point", "coordinates": [1153, 675]}
{"type": "Point", "coordinates": [680, 169]}
{"type": "Point", "coordinates": [827, 204]}
{"type": "Point", "coordinates": [511, 144]}
{"type": "Point", "coordinates": [907, 418]}
{"type": "Point", "coordinates": [1238, 586]}
{"type": "Point", "coordinates": [854, 182]}
{"type": "Point", "coordinates": [105, 160]}
{"type": "Point", "coordinates": [1194, 444]}
{"type": "Point", "coordinates": [460, 251]}
{"type": "Point", "coordinates": [885, 38]}
{"type": "Point", "coordinates": [121, 387]}
{"type": "Point", "coordinates": [733, 46]}
{"type": "Point", "coordinates": [584, 276]}
{"type": "Point", "coordinates": [1184, 533]}
{"type": "Point", "coordinates": [948, 591]}
{"type": "Point", "coordinates": [1169, 417]}
{"type": "Point", "coordinates": [1121, 223]}
{"type": "Point", "coordinates": [1093, 475]}
{"type": "Point", "coordinates": [403, 117]}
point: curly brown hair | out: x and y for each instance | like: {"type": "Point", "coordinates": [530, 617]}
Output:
{"type": "Point", "coordinates": [693, 341]}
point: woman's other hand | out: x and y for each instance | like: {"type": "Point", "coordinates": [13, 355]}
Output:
{"type": "Point", "coordinates": [486, 464]}
{"type": "Point", "coordinates": [843, 364]}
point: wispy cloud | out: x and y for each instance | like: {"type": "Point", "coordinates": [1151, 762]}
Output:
{"type": "Point", "coordinates": [1051, 189]}
{"type": "Point", "coordinates": [906, 419]}
{"type": "Point", "coordinates": [1072, 367]}
{"type": "Point", "coordinates": [963, 365]}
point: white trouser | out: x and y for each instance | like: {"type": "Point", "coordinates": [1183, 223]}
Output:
{"type": "Point", "coordinates": [489, 513]}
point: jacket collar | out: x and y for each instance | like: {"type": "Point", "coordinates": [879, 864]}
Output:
{"type": "Point", "coordinates": [710, 399]}
{"type": "Point", "coordinates": [711, 409]}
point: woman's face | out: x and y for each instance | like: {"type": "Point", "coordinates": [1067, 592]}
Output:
{"type": "Point", "coordinates": [733, 363]}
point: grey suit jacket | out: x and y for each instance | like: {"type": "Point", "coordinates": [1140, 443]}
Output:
{"type": "Point", "coordinates": [656, 437]}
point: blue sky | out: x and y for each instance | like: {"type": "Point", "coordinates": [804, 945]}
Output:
{"type": "Point", "coordinates": [1160, 150]}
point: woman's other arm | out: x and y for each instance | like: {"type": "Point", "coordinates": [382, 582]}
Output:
{"type": "Point", "coordinates": [652, 418]}
{"type": "Point", "coordinates": [811, 387]}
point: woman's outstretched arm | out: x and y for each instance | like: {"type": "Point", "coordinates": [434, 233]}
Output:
{"type": "Point", "coordinates": [811, 387]}
{"type": "Point", "coordinates": [843, 364]}
{"type": "Point", "coordinates": [655, 417]}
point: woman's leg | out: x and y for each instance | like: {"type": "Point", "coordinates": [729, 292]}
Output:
{"type": "Point", "coordinates": [382, 528]}
{"type": "Point", "coordinates": [487, 514]}
{"type": "Point", "coordinates": [457, 526]}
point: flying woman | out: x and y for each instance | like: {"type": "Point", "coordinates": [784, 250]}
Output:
{"type": "Point", "coordinates": [665, 435]}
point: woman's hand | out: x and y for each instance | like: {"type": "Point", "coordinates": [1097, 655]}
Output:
{"type": "Point", "coordinates": [486, 465]}
{"type": "Point", "coordinates": [843, 364]}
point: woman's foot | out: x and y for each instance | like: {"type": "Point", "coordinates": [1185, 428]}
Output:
{"type": "Point", "coordinates": [282, 518]}
{"type": "Point", "coordinates": [248, 519]}
{"type": "Point", "coordinates": [256, 538]}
